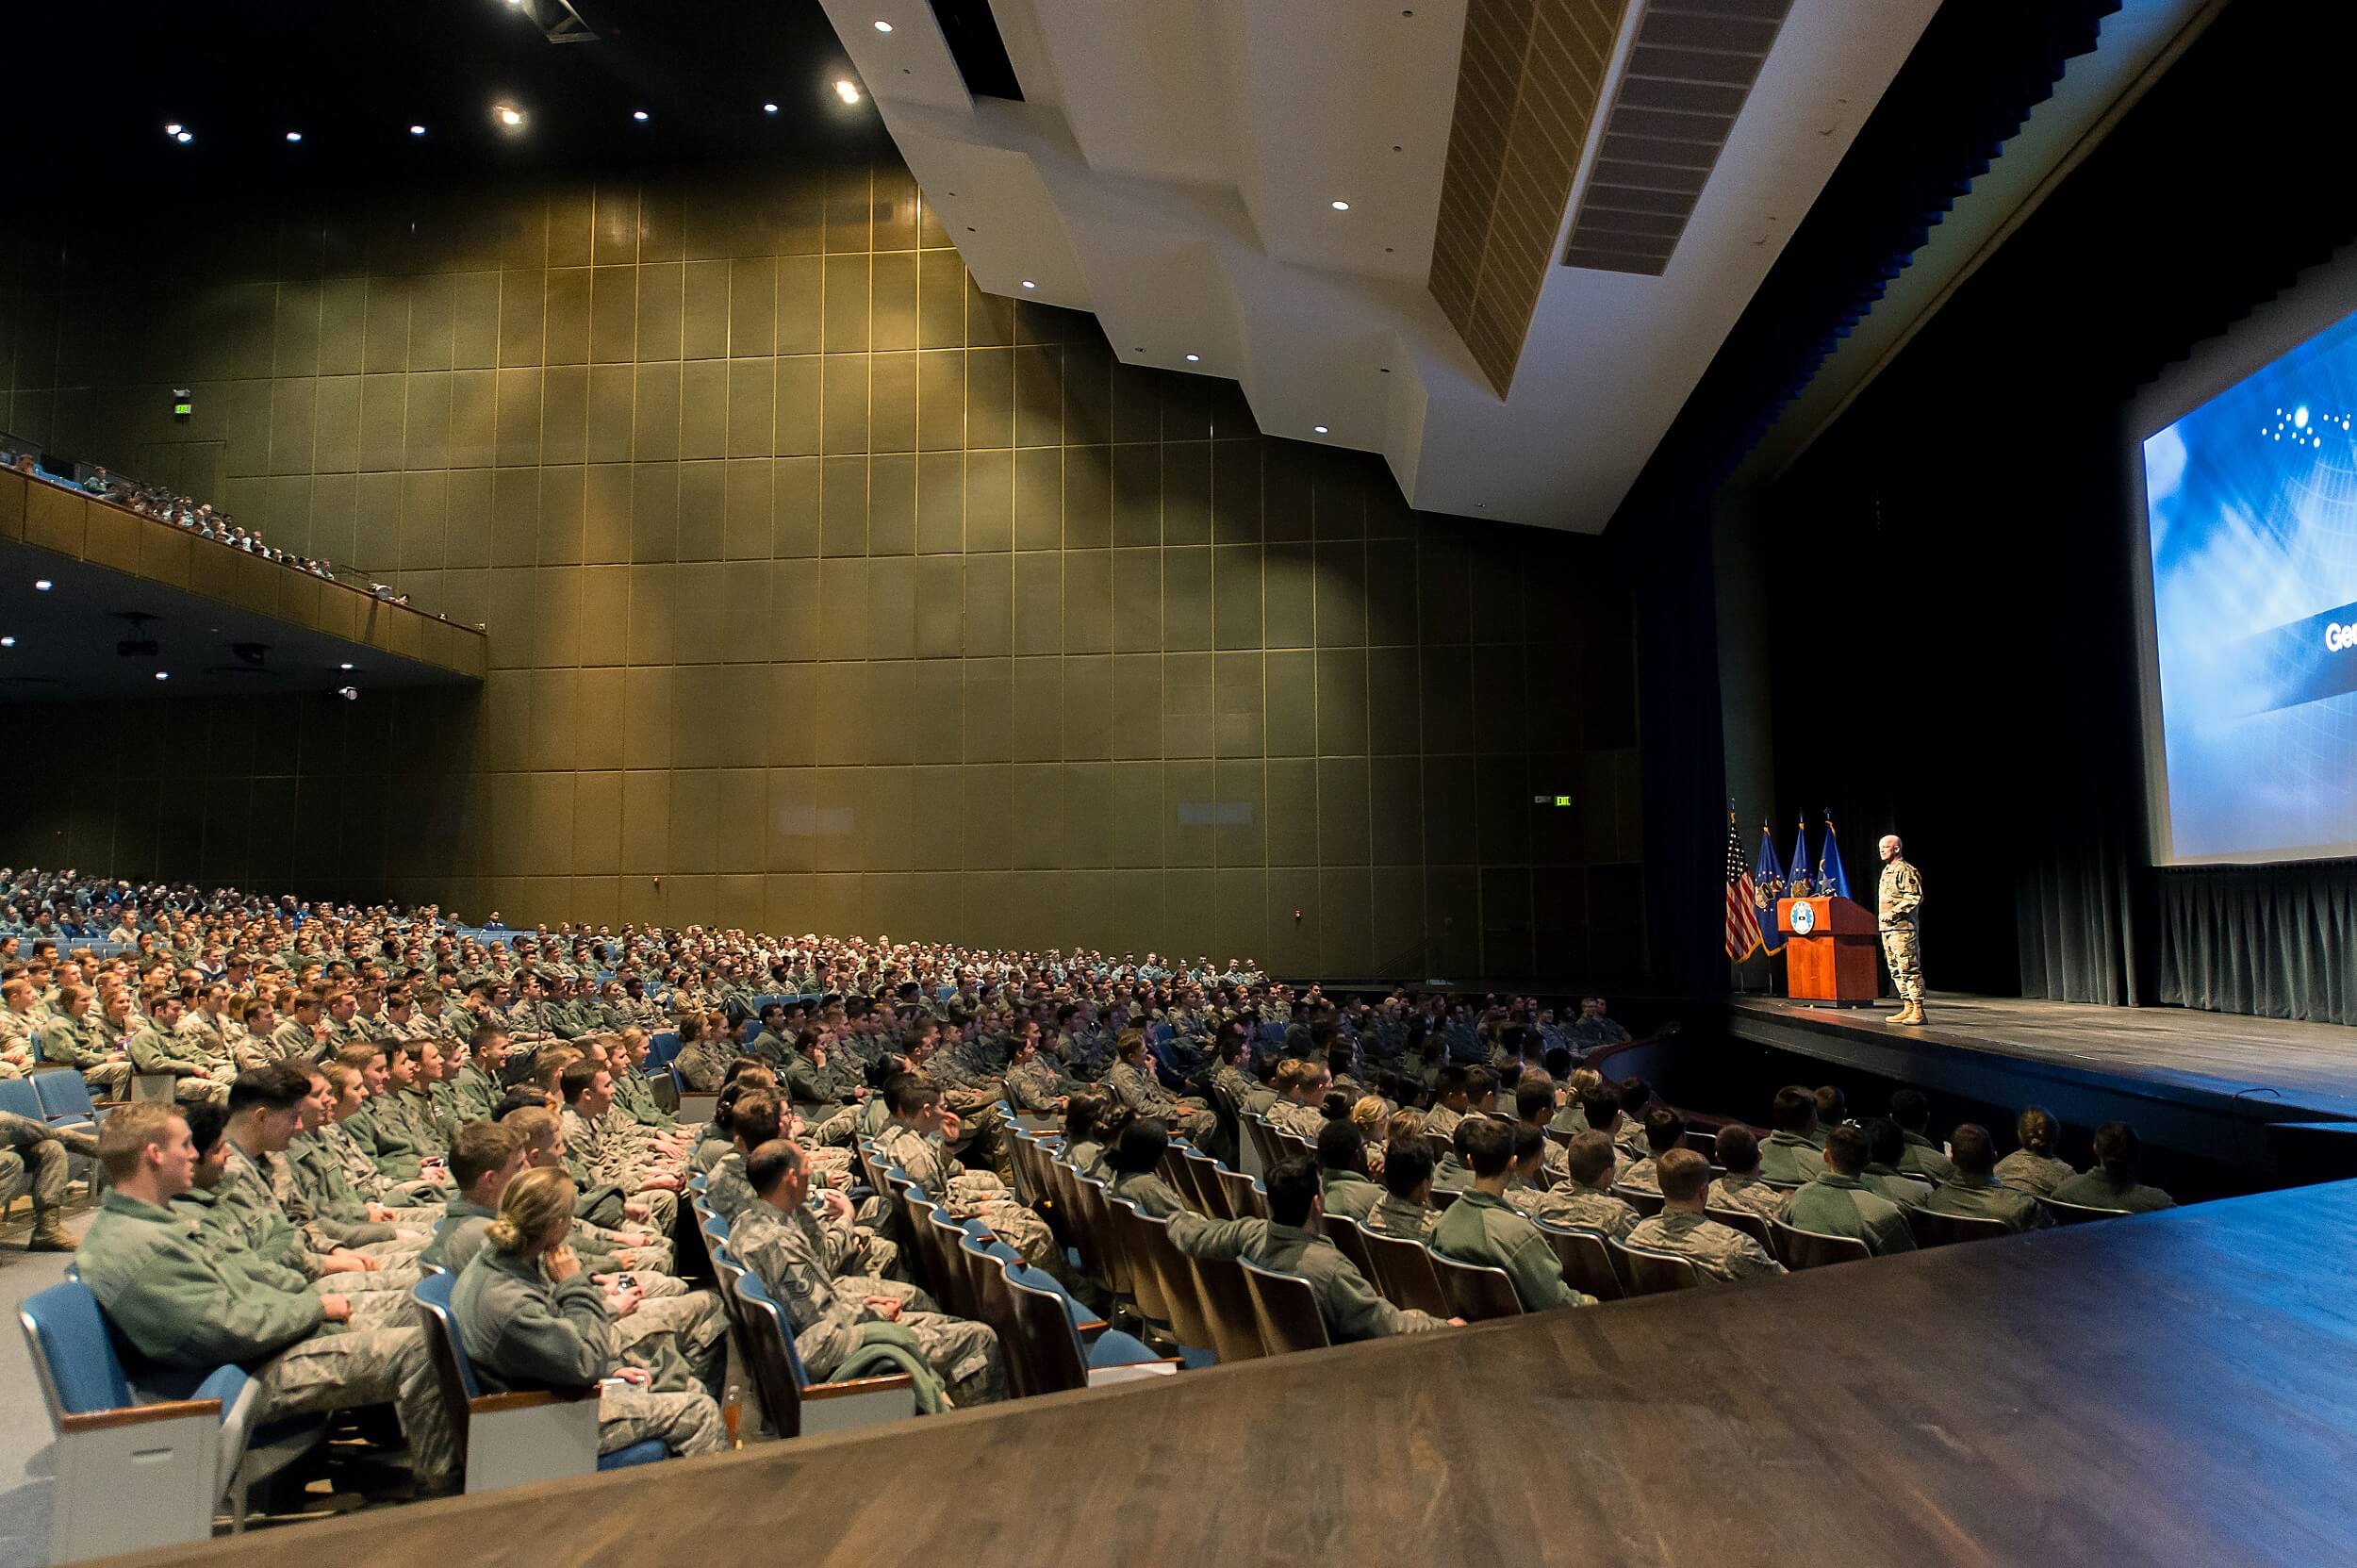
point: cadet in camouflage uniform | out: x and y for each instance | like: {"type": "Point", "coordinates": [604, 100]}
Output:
{"type": "Point", "coordinates": [912, 1140]}
{"type": "Point", "coordinates": [531, 1317]}
{"type": "Point", "coordinates": [1897, 901]}
{"type": "Point", "coordinates": [1585, 1198]}
{"type": "Point", "coordinates": [1741, 1188]}
{"type": "Point", "coordinates": [1406, 1207]}
{"type": "Point", "coordinates": [175, 1304]}
{"type": "Point", "coordinates": [33, 1158]}
{"type": "Point", "coordinates": [1286, 1243]}
{"type": "Point", "coordinates": [76, 1036]}
{"type": "Point", "coordinates": [1974, 1192]}
{"type": "Point", "coordinates": [1720, 1251]}
{"type": "Point", "coordinates": [162, 1047]}
{"type": "Point", "coordinates": [1131, 1083]}
{"type": "Point", "coordinates": [780, 1240]}
{"type": "Point", "coordinates": [1840, 1203]}
{"type": "Point", "coordinates": [1032, 1084]}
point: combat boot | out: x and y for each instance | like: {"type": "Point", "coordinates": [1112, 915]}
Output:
{"type": "Point", "coordinates": [1913, 1013]}
{"type": "Point", "coordinates": [48, 1236]}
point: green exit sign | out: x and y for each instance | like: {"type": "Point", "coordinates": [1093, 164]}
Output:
{"type": "Point", "coordinates": [1550, 800]}
{"type": "Point", "coordinates": [1562, 800]}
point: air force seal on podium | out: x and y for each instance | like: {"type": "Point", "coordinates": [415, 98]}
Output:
{"type": "Point", "coordinates": [1804, 917]}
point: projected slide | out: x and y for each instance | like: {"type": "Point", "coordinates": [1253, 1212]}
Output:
{"type": "Point", "coordinates": [2251, 504]}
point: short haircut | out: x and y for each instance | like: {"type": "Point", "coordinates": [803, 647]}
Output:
{"type": "Point", "coordinates": [1140, 1147]}
{"type": "Point", "coordinates": [1449, 1080]}
{"type": "Point", "coordinates": [1295, 1073]}
{"type": "Point", "coordinates": [1635, 1094]}
{"type": "Point", "coordinates": [206, 1119]}
{"type": "Point", "coordinates": [577, 1078]}
{"type": "Point", "coordinates": [1479, 1081]}
{"type": "Point", "coordinates": [1590, 1156]}
{"type": "Point", "coordinates": [1534, 1097]}
{"type": "Point", "coordinates": [1910, 1108]}
{"type": "Point", "coordinates": [907, 1094]}
{"type": "Point", "coordinates": [771, 1162]}
{"type": "Point", "coordinates": [758, 1118]}
{"type": "Point", "coordinates": [1973, 1150]}
{"type": "Point", "coordinates": [130, 1131]}
{"type": "Point", "coordinates": [1599, 1105]}
{"type": "Point", "coordinates": [1833, 1106]}
{"type": "Point", "coordinates": [1884, 1144]}
{"type": "Point", "coordinates": [1341, 1145]}
{"type": "Point", "coordinates": [1665, 1130]}
{"type": "Point", "coordinates": [1489, 1146]}
{"type": "Point", "coordinates": [537, 1124]}
{"type": "Point", "coordinates": [1293, 1186]}
{"type": "Point", "coordinates": [277, 1087]}
{"type": "Point", "coordinates": [1845, 1149]}
{"type": "Point", "coordinates": [1530, 1143]}
{"type": "Point", "coordinates": [1406, 1165]}
{"type": "Point", "coordinates": [1683, 1174]}
{"type": "Point", "coordinates": [1795, 1109]}
{"type": "Point", "coordinates": [482, 1147]}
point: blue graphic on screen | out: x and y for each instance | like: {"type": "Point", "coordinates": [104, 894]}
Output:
{"type": "Point", "coordinates": [2251, 501]}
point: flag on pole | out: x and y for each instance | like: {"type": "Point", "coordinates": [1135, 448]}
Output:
{"type": "Point", "coordinates": [1767, 887]}
{"type": "Point", "coordinates": [1830, 875]}
{"type": "Point", "coordinates": [1743, 918]}
{"type": "Point", "coordinates": [1800, 888]}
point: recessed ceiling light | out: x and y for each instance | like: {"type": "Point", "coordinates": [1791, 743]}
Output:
{"type": "Point", "coordinates": [883, 26]}
{"type": "Point", "coordinates": [768, 108]}
{"type": "Point", "coordinates": [847, 90]}
{"type": "Point", "coordinates": [163, 675]}
{"type": "Point", "coordinates": [1342, 206]}
{"type": "Point", "coordinates": [510, 115]}
{"type": "Point", "coordinates": [294, 136]}
{"type": "Point", "coordinates": [42, 585]}
{"type": "Point", "coordinates": [1029, 284]}
{"type": "Point", "coordinates": [1194, 358]}
{"type": "Point", "coordinates": [344, 666]}
{"type": "Point", "coordinates": [639, 115]}
{"type": "Point", "coordinates": [184, 138]}
{"type": "Point", "coordinates": [172, 127]}
{"type": "Point", "coordinates": [416, 130]}
{"type": "Point", "coordinates": [1319, 428]}
{"type": "Point", "coordinates": [7, 642]}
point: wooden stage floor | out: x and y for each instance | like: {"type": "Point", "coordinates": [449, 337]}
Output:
{"type": "Point", "coordinates": [2176, 1388]}
{"type": "Point", "coordinates": [2266, 1068]}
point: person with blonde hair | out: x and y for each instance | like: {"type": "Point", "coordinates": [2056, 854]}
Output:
{"type": "Point", "coordinates": [532, 1317]}
{"type": "Point", "coordinates": [1371, 1116]}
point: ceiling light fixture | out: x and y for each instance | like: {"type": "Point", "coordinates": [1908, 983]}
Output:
{"type": "Point", "coordinates": [1029, 284]}
{"type": "Point", "coordinates": [639, 115]}
{"type": "Point", "coordinates": [416, 130]}
{"type": "Point", "coordinates": [163, 675]}
{"type": "Point", "coordinates": [345, 666]}
{"type": "Point", "coordinates": [768, 108]}
{"type": "Point", "coordinates": [294, 136]}
{"type": "Point", "coordinates": [883, 26]}
{"type": "Point", "coordinates": [184, 138]}
{"type": "Point", "coordinates": [42, 585]}
{"type": "Point", "coordinates": [1319, 428]}
{"type": "Point", "coordinates": [172, 127]}
{"type": "Point", "coordinates": [510, 115]}
{"type": "Point", "coordinates": [1340, 207]}
{"type": "Point", "coordinates": [847, 90]}
{"type": "Point", "coordinates": [1194, 358]}
{"type": "Point", "coordinates": [7, 642]}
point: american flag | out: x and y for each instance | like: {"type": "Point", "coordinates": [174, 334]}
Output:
{"type": "Point", "coordinates": [1743, 919]}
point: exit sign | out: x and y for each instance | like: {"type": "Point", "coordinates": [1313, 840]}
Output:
{"type": "Point", "coordinates": [1550, 800]}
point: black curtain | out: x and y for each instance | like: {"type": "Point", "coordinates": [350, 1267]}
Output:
{"type": "Point", "coordinates": [2279, 941]}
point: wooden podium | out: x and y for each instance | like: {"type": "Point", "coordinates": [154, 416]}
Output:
{"type": "Point", "coordinates": [1832, 950]}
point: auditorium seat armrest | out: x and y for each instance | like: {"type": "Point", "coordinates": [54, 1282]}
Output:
{"type": "Point", "coordinates": [495, 1404]}
{"type": "Point", "coordinates": [133, 1415]}
{"type": "Point", "coordinates": [858, 1385]}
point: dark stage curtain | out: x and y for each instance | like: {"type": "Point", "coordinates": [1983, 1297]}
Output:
{"type": "Point", "coordinates": [2279, 941]}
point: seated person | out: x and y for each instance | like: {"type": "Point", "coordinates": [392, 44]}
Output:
{"type": "Point", "coordinates": [1665, 1130]}
{"type": "Point", "coordinates": [1886, 1146]}
{"type": "Point", "coordinates": [1449, 1100]}
{"type": "Point", "coordinates": [1342, 1168]}
{"type": "Point", "coordinates": [1452, 1173]}
{"type": "Point", "coordinates": [532, 1317]}
{"type": "Point", "coordinates": [1300, 1108]}
{"type": "Point", "coordinates": [1720, 1251]}
{"type": "Point", "coordinates": [1584, 1197]}
{"type": "Point", "coordinates": [1913, 1113]}
{"type": "Point", "coordinates": [704, 1056]}
{"type": "Point", "coordinates": [1135, 1159]}
{"type": "Point", "coordinates": [1288, 1242]}
{"type": "Point", "coordinates": [2115, 1179]}
{"type": "Point", "coordinates": [2033, 1168]}
{"type": "Point", "coordinates": [1795, 1151]}
{"type": "Point", "coordinates": [1840, 1203]}
{"type": "Point", "coordinates": [1131, 1083]}
{"type": "Point", "coordinates": [780, 1241]}
{"type": "Point", "coordinates": [1974, 1192]}
{"type": "Point", "coordinates": [1741, 1188]}
{"type": "Point", "coordinates": [917, 1140]}
{"type": "Point", "coordinates": [182, 1312]}
{"type": "Point", "coordinates": [1406, 1207]}
{"type": "Point", "coordinates": [1534, 1106]}
{"type": "Point", "coordinates": [1088, 1124]}
{"type": "Point", "coordinates": [1480, 1229]}
{"type": "Point", "coordinates": [33, 1158]}
{"type": "Point", "coordinates": [1034, 1086]}
{"type": "Point", "coordinates": [1638, 1100]}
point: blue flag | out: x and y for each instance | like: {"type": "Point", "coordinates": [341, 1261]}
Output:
{"type": "Point", "coordinates": [1801, 885]}
{"type": "Point", "coordinates": [1768, 877]}
{"type": "Point", "coordinates": [1830, 875]}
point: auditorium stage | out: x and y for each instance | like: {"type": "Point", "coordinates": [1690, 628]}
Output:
{"type": "Point", "coordinates": [2236, 1089]}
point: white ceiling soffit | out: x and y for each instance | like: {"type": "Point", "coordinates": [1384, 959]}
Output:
{"type": "Point", "coordinates": [1173, 170]}
{"type": "Point", "coordinates": [2134, 46]}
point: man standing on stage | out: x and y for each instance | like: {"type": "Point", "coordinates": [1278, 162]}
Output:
{"type": "Point", "coordinates": [1902, 894]}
